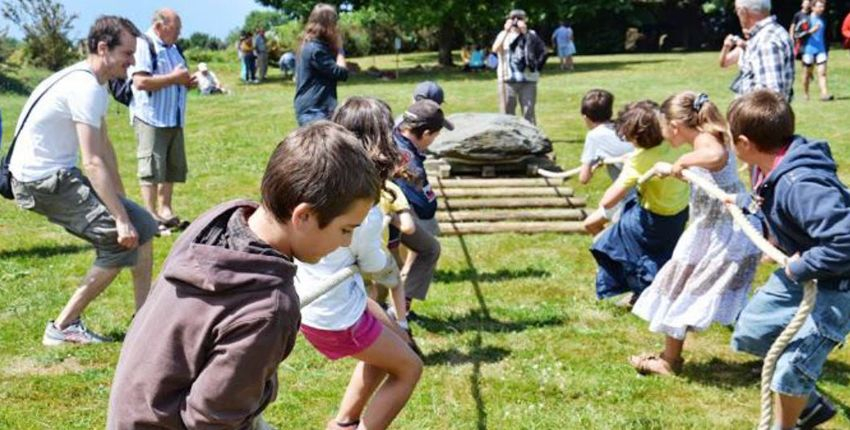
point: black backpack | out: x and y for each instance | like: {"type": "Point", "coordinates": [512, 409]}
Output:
{"type": "Point", "coordinates": [122, 88]}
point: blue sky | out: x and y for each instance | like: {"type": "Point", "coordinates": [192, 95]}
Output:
{"type": "Point", "coordinates": [215, 17]}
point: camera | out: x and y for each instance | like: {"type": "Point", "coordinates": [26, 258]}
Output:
{"type": "Point", "coordinates": [514, 22]}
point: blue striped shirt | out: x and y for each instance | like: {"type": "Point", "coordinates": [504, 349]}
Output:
{"type": "Point", "coordinates": [165, 107]}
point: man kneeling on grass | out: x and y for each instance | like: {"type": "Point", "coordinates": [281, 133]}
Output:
{"type": "Point", "coordinates": [224, 314]}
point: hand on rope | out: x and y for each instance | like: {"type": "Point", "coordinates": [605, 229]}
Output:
{"type": "Point", "coordinates": [595, 164]}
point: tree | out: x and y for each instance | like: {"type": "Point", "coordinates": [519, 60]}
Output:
{"type": "Point", "coordinates": [457, 21]}
{"type": "Point", "coordinates": [45, 25]}
{"type": "Point", "coordinates": [265, 19]}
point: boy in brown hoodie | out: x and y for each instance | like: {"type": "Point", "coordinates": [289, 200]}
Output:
{"type": "Point", "coordinates": [204, 350]}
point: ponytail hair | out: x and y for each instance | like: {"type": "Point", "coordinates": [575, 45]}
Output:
{"type": "Point", "coordinates": [696, 111]}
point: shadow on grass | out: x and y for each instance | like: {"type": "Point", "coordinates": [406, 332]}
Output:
{"type": "Point", "coordinates": [424, 67]}
{"type": "Point", "coordinates": [476, 320]}
{"type": "Point", "coordinates": [43, 251]}
{"type": "Point", "coordinates": [468, 274]}
{"type": "Point", "coordinates": [724, 374]}
{"type": "Point", "coordinates": [454, 357]}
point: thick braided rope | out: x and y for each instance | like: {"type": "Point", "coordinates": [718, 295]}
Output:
{"type": "Point", "coordinates": [328, 284]}
{"type": "Point", "coordinates": [575, 171]}
{"type": "Point", "coordinates": [803, 312]}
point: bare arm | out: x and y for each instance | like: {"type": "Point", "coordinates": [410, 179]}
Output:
{"type": "Point", "coordinates": [112, 160]}
{"type": "Point", "coordinates": [586, 173]}
{"type": "Point", "coordinates": [98, 159]}
{"type": "Point", "coordinates": [613, 195]}
{"type": "Point", "coordinates": [708, 153]}
{"type": "Point", "coordinates": [730, 52]}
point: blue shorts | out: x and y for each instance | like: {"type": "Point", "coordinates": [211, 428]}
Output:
{"type": "Point", "coordinates": [767, 314]}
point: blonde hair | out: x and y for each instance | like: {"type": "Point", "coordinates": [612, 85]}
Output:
{"type": "Point", "coordinates": [696, 111]}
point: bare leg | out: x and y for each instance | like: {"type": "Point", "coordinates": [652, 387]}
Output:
{"type": "Point", "coordinates": [166, 190]}
{"type": "Point", "coordinates": [788, 409]}
{"type": "Point", "coordinates": [95, 281]}
{"type": "Point", "coordinates": [824, 92]}
{"type": "Point", "coordinates": [149, 197]}
{"type": "Point", "coordinates": [389, 367]}
{"type": "Point", "coordinates": [570, 65]}
{"type": "Point", "coordinates": [142, 273]}
{"type": "Point", "coordinates": [807, 77]}
{"type": "Point", "coordinates": [673, 349]}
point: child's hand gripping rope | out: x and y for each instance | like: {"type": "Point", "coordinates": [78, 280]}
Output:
{"type": "Point", "coordinates": [595, 164]}
{"type": "Point", "coordinates": [809, 292]}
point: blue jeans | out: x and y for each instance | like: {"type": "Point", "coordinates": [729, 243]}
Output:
{"type": "Point", "coordinates": [767, 314]}
{"type": "Point", "coordinates": [312, 115]}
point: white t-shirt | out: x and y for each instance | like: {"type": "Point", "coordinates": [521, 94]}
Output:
{"type": "Point", "coordinates": [341, 307]}
{"type": "Point", "coordinates": [207, 81]}
{"type": "Point", "coordinates": [48, 141]}
{"type": "Point", "coordinates": [602, 141]}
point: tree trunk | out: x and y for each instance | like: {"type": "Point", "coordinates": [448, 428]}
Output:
{"type": "Point", "coordinates": [445, 39]}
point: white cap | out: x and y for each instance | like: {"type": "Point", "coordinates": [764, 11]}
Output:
{"type": "Point", "coordinates": [202, 67]}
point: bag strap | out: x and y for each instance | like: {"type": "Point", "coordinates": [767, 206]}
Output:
{"type": "Point", "coordinates": [8, 157]}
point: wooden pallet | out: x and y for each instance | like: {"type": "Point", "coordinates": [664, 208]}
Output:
{"type": "Point", "coordinates": [507, 205]}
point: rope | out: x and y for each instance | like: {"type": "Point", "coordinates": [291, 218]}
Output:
{"type": "Point", "coordinates": [328, 284]}
{"type": "Point", "coordinates": [575, 171]}
{"type": "Point", "coordinates": [809, 289]}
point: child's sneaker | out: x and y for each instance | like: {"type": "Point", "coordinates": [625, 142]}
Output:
{"type": "Point", "coordinates": [819, 413]}
{"type": "Point", "coordinates": [76, 332]}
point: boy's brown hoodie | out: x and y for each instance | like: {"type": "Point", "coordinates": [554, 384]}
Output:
{"type": "Point", "coordinates": [203, 351]}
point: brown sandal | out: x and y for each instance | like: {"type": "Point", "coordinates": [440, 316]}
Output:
{"type": "Point", "coordinates": [655, 364]}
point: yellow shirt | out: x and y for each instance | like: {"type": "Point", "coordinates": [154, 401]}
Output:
{"type": "Point", "coordinates": [389, 206]}
{"type": "Point", "coordinates": [662, 196]}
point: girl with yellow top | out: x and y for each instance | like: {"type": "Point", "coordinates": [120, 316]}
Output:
{"type": "Point", "coordinates": [630, 252]}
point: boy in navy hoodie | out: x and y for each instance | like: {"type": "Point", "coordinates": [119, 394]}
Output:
{"type": "Point", "coordinates": [807, 211]}
{"type": "Point", "coordinates": [421, 124]}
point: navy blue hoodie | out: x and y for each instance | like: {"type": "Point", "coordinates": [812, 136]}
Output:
{"type": "Point", "coordinates": [316, 75]}
{"type": "Point", "coordinates": [808, 211]}
{"type": "Point", "coordinates": [421, 197]}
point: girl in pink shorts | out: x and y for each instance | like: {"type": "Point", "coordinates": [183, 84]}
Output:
{"type": "Point", "coordinates": [344, 322]}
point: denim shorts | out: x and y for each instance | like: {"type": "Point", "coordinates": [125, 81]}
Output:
{"type": "Point", "coordinates": [767, 314]}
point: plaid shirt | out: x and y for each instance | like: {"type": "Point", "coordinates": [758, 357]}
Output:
{"type": "Point", "coordinates": [768, 60]}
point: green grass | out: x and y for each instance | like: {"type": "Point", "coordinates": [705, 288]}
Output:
{"type": "Point", "coordinates": [513, 334]}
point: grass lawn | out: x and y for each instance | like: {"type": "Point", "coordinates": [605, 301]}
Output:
{"type": "Point", "coordinates": [514, 336]}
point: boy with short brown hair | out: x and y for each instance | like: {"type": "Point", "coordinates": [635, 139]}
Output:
{"type": "Point", "coordinates": [224, 313]}
{"type": "Point", "coordinates": [807, 210]}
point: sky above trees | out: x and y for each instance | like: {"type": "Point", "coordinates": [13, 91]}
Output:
{"type": "Point", "coordinates": [214, 17]}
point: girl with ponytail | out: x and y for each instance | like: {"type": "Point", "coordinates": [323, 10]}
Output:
{"type": "Point", "coordinates": [709, 277]}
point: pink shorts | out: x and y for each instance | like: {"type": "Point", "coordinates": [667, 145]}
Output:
{"type": "Point", "coordinates": [336, 344]}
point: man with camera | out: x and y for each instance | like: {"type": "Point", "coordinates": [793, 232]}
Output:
{"type": "Point", "coordinates": [766, 58]}
{"type": "Point", "coordinates": [522, 54]}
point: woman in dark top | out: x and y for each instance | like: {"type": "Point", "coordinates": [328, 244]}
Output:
{"type": "Point", "coordinates": [321, 64]}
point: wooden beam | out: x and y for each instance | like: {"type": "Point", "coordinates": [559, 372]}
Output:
{"type": "Point", "coordinates": [513, 215]}
{"type": "Point", "coordinates": [505, 192]}
{"type": "Point", "coordinates": [512, 202]}
{"type": "Point", "coordinates": [498, 182]}
{"type": "Point", "coordinates": [455, 229]}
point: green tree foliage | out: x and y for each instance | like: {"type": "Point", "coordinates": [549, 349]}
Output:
{"type": "Point", "coordinates": [265, 19]}
{"type": "Point", "coordinates": [45, 24]}
{"type": "Point", "coordinates": [200, 40]}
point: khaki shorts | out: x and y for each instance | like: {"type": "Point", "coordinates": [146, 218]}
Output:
{"type": "Point", "coordinates": [67, 199]}
{"type": "Point", "coordinates": [161, 153]}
